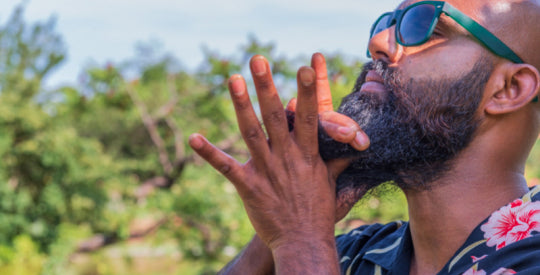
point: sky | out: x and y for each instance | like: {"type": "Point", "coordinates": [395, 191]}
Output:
{"type": "Point", "coordinates": [101, 31]}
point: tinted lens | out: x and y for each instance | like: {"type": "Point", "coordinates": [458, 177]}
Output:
{"type": "Point", "coordinates": [381, 24]}
{"type": "Point", "coordinates": [416, 24]}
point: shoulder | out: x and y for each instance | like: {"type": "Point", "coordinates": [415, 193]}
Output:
{"type": "Point", "coordinates": [507, 240]}
{"type": "Point", "coordinates": [521, 257]}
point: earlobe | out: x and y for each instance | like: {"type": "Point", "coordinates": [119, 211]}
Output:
{"type": "Point", "coordinates": [513, 86]}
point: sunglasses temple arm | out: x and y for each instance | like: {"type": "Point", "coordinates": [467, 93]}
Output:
{"type": "Point", "coordinates": [487, 38]}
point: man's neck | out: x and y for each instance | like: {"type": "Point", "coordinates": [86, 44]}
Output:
{"type": "Point", "coordinates": [442, 217]}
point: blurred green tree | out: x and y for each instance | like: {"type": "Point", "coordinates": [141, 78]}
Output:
{"type": "Point", "coordinates": [50, 174]}
{"type": "Point", "coordinates": [107, 162]}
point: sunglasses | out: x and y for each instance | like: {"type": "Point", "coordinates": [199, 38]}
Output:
{"type": "Point", "coordinates": [415, 25]}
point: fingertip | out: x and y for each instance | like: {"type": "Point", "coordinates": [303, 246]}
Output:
{"type": "Point", "coordinates": [237, 85]}
{"type": "Point", "coordinates": [196, 141]}
{"type": "Point", "coordinates": [317, 57]}
{"type": "Point", "coordinates": [257, 57]}
{"type": "Point", "coordinates": [306, 76]}
{"type": "Point", "coordinates": [258, 65]}
{"type": "Point", "coordinates": [235, 77]}
{"type": "Point", "coordinates": [307, 69]}
{"type": "Point", "coordinates": [361, 141]}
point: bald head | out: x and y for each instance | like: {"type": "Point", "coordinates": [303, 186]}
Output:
{"type": "Point", "coordinates": [516, 23]}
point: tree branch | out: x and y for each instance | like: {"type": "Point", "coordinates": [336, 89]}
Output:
{"type": "Point", "coordinates": [151, 127]}
{"type": "Point", "coordinates": [165, 110]}
{"type": "Point", "coordinates": [178, 142]}
{"type": "Point", "coordinates": [101, 240]}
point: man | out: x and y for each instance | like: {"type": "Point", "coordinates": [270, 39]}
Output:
{"type": "Point", "coordinates": [450, 111]}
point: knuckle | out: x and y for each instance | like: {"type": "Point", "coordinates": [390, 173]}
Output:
{"type": "Point", "coordinates": [252, 134]}
{"type": "Point", "coordinates": [251, 191]}
{"type": "Point", "coordinates": [242, 104]}
{"type": "Point", "coordinates": [309, 119]}
{"type": "Point", "coordinates": [339, 138]}
{"type": "Point", "coordinates": [248, 192]}
{"type": "Point", "coordinates": [325, 101]}
{"type": "Point", "coordinates": [273, 179]}
{"type": "Point", "coordinates": [225, 169]}
{"type": "Point", "coordinates": [264, 83]}
{"type": "Point", "coordinates": [309, 159]}
{"type": "Point", "coordinates": [322, 76]}
{"type": "Point", "coordinates": [275, 117]}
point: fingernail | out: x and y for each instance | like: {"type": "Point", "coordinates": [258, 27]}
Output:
{"type": "Point", "coordinates": [258, 65]}
{"type": "Point", "coordinates": [195, 141]}
{"type": "Point", "coordinates": [361, 140]}
{"type": "Point", "coordinates": [306, 77]}
{"type": "Point", "coordinates": [344, 130]}
{"type": "Point", "coordinates": [237, 85]}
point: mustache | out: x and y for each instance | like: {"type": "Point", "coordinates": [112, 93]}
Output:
{"type": "Point", "coordinates": [389, 75]}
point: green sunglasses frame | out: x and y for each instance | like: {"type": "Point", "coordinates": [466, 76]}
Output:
{"type": "Point", "coordinates": [485, 37]}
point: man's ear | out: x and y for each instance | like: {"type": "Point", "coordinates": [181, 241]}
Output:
{"type": "Point", "coordinates": [511, 87]}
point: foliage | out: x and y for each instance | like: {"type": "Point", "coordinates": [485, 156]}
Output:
{"type": "Point", "coordinates": [23, 257]}
{"type": "Point", "coordinates": [108, 162]}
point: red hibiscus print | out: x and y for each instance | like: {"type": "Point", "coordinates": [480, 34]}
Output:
{"type": "Point", "coordinates": [503, 271]}
{"type": "Point", "coordinates": [473, 271]}
{"type": "Point", "coordinates": [512, 223]}
{"type": "Point", "coordinates": [476, 259]}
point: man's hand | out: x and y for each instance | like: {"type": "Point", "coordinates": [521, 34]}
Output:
{"type": "Point", "coordinates": [287, 190]}
{"type": "Point", "coordinates": [285, 186]}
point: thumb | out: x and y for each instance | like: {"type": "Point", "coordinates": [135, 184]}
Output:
{"type": "Point", "coordinates": [336, 166]}
{"type": "Point", "coordinates": [344, 129]}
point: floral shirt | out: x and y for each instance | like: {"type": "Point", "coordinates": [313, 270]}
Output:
{"type": "Point", "coordinates": [507, 242]}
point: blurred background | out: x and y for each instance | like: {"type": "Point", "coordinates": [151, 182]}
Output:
{"type": "Point", "coordinates": [97, 100]}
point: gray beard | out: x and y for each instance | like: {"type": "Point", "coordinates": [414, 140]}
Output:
{"type": "Point", "coordinates": [415, 132]}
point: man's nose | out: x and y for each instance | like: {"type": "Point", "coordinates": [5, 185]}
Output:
{"type": "Point", "coordinates": [384, 46]}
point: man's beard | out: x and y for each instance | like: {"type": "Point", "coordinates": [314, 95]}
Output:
{"type": "Point", "coordinates": [415, 131]}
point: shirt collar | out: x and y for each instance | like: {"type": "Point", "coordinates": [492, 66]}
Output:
{"type": "Point", "coordinates": [394, 252]}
